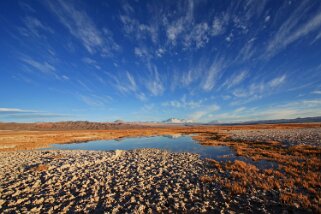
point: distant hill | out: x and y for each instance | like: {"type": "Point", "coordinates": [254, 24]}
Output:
{"type": "Point", "coordinates": [278, 121]}
{"type": "Point", "coordinates": [75, 125]}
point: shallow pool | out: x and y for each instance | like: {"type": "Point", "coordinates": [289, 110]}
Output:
{"type": "Point", "coordinates": [174, 143]}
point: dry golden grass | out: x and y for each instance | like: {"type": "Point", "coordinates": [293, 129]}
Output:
{"type": "Point", "coordinates": [212, 135]}
{"type": "Point", "coordinates": [40, 168]}
{"type": "Point", "coordinates": [297, 178]}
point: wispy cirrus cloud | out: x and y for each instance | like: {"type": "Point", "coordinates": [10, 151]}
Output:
{"type": "Point", "coordinates": [94, 100]}
{"type": "Point", "coordinates": [33, 27]}
{"type": "Point", "coordinates": [198, 37]}
{"type": "Point", "coordinates": [126, 83]}
{"type": "Point", "coordinates": [212, 74]}
{"type": "Point", "coordinates": [153, 83]}
{"type": "Point", "coordinates": [36, 116]}
{"type": "Point", "coordinates": [277, 81]}
{"type": "Point", "coordinates": [316, 92]}
{"type": "Point", "coordinates": [218, 25]}
{"type": "Point", "coordinates": [81, 26]}
{"type": "Point", "coordinates": [15, 110]}
{"type": "Point", "coordinates": [204, 112]}
{"type": "Point", "coordinates": [302, 108]}
{"type": "Point", "coordinates": [91, 62]}
{"type": "Point", "coordinates": [292, 30]}
{"type": "Point", "coordinates": [183, 103]}
{"type": "Point", "coordinates": [44, 67]}
{"type": "Point", "coordinates": [134, 28]}
{"type": "Point", "coordinates": [257, 90]}
{"type": "Point", "coordinates": [235, 79]}
{"type": "Point", "coordinates": [26, 114]}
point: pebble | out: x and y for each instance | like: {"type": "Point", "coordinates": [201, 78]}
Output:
{"type": "Point", "coordinates": [289, 137]}
{"type": "Point", "coordinates": [118, 182]}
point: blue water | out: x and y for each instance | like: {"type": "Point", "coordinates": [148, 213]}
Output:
{"type": "Point", "coordinates": [170, 143]}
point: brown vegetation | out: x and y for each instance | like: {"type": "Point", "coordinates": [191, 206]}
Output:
{"type": "Point", "coordinates": [39, 168]}
{"type": "Point", "coordinates": [15, 136]}
{"type": "Point", "coordinates": [297, 180]}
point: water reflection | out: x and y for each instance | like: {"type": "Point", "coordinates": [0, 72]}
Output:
{"type": "Point", "coordinates": [173, 143]}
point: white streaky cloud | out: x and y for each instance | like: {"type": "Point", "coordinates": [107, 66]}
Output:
{"type": "Point", "coordinates": [211, 76]}
{"type": "Point", "coordinates": [127, 84]}
{"type": "Point", "coordinates": [268, 114]}
{"type": "Point", "coordinates": [91, 62]}
{"type": "Point", "coordinates": [254, 91]}
{"type": "Point", "coordinates": [84, 86]}
{"type": "Point", "coordinates": [65, 77]}
{"type": "Point", "coordinates": [241, 109]}
{"type": "Point", "coordinates": [160, 52]}
{"type": "Point", "coordinates": [94, 100]}
{"type": "Point", "coordinates": [194, 73]}
{"type": "Point", "coordinates": [277, 81]}
{"type": "Point", "coordinates": [196, 116]}
{"type": "Point", "coordinates": [302, 108]}
{"type": "Point", "coordinates": [183, 103]}
{"type": "Point", "coordinates": [205, 112]}
{"type": "Point", "coordinates": [127, 8]}
{"type": "Point", "coordinates": [229, 37]}
{"type": "Point", "coordinates": [34, 27]}
{"type": "Point", "coordinates": [248, 51]}
{"type": "Point", "coordinates": [199, 36]}
{"type": "Point", "coordinates": [174, 30]}
{"type": "Point", "coordinates": [179, 26]}
{"type": "Point", "coordinates": [257, 90]}
{"type": "Point", "coordinates": [155, 87]}
{"type": "Point", "coordinates": [218, 25]}
{"type": "Point", "coordinates": [316, 92]}
{"type": "Point", "coordinates": [308, 103]}
{"type": "Point", "coordinates": [142, 52]}
{"type": "Point", "coordinates": [141, 96]}
{"type": "Point", "coordinates": [308, 27]}
{"type": "Point", "coordinates": [17, 113]}
{"type": "Point", "coordinates": [82, 27]}
{"type": "Point", "coordinates": [134, 29]}
{"type": "Point", "coordinates": [187, 77]}
{"type": "Point", "coordinates": [236, 79]}
{"type": "Point", "coordinates": [317, 37]}
{"type": "Point", "coordinates": [43, 67]}
{"type": "Point", "coordinates": [15, 110]}
{"type": "Point", "coordinates": [132, 83]}
{"type": "Point", "coordinates": [154, 83]}
{"type": "Point", "coordinates": [26, 7]}
{"type": "Point", "coordinates": [291, 30]}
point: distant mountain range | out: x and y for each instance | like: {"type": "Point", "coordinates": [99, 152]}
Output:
{"type": "Point", "coordinates": [216, 122]}
{"type": "Point", "coordinates": [119, 124]}
{"type": "Point", "coordinates": [296, 120]}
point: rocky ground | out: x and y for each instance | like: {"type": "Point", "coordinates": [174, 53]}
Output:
{"type": "Point", "coordinates": [290, 137]}
{"type": "Point", "coordinates": [138, 181]}
{"type": "Point", "coordinates": [83, 181]}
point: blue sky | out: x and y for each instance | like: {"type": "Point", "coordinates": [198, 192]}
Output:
{"type": "Point", "coordinates": [151, 60]}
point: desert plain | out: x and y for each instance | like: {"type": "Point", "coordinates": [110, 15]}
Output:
{"type": "Point", "coordinates": [33, 179]}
